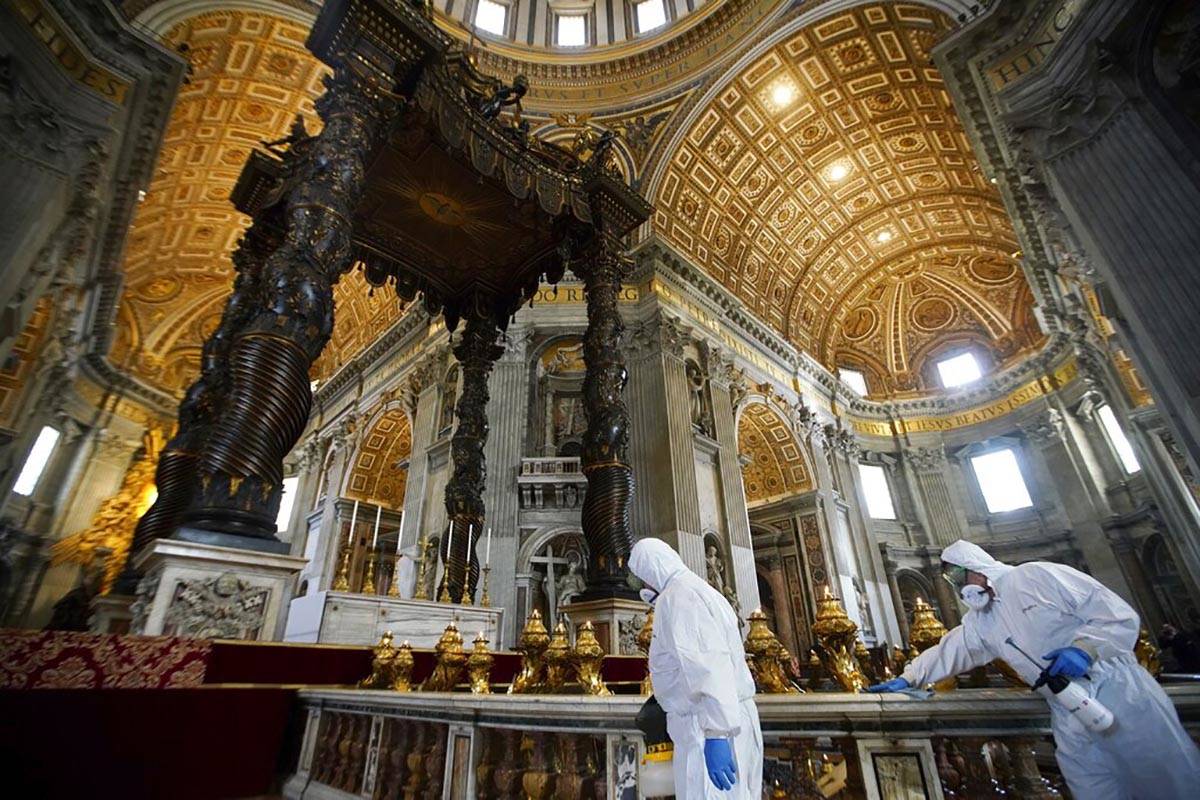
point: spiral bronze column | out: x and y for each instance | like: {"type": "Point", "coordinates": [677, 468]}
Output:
{"type": "Point", "coordinates": [476, 352]}
{"type": "Point", "coordinates": [268, 398]}
{"type": "Point", "coordinates": [610, 486]}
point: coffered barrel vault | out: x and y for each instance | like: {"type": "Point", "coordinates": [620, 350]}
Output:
{"type": "Point", "coordinates": [830, 185]}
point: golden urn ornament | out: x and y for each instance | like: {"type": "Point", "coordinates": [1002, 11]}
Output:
{"type": "Point", "coordinates": [925, 631]}
{"type": "Point", "coordinates": [836, 633]}
{"type": "Point", "coordinates": [558, 660]}
{"type": "Point", "coordinates": [383, 664]}
{"type": "Point", "coordinates": [532, 646]}
{"type": "Point", "coordinates": [403, 668]}
{"type": "Point", "coordinates": [766, 656]}
{"type": "Point", "coordinates": [450, 662]}
{"type": "Point", "coordinates": [479, 666]}
{"type": "Point", "coordinates": [589, 656]}
{"type": "Point", "coordinates": [644, 637]}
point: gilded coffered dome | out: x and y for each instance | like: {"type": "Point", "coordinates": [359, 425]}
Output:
{"type": "Point", "coordinates": [829, 184]}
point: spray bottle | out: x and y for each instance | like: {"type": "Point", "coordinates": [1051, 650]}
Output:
{"type": "Point", "coordinates": [1090, 712]}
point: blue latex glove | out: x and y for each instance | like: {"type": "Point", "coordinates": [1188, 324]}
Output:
{"type": "Point", "coordinates": [718, 757]}
{"type": "Point", "coordinates": [1069, 661]}
{"type": "Point", "coordinates": [894, 685]}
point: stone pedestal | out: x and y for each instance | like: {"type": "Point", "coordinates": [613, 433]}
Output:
{"type": "Point", "coordinates": [346, 618]}
{"type": "Point", "coordinates": [205, 591]}
{"type": "Point", "coordinates": [617, 622]}
{"type": "Point", "coordinates": [111, 613]}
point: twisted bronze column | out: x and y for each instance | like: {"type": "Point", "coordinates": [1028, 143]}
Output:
{"type": "Point", "coordinates": [610, 478]}
{"type": "Point", "coordinates": [268, 397]}
{"type": "Point", "coordinates": [476, 351]}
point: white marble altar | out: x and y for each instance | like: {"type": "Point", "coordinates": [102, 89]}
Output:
{"type": "Point", "coordinates": [347, 618]}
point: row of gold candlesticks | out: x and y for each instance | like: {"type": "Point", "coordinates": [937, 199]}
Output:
{"type": "Point", "coordinates": [373, 576]}
{"type": "Point", "coordinates": [549, 663]}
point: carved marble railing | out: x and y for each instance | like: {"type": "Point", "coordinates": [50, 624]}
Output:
{"type": "Point", "coordinates": [551, 483]}
{"type": "Point", "coordinates": [974, 744]}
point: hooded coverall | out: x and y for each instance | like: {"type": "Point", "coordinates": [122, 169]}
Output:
{"type": "Point", "coordinates": [698, 668]}
{"type": "Point", "coordinates": [1044, 606]}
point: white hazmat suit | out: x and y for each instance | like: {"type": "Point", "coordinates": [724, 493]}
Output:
{"type": "Point", "coordinates": [1045, 606]}
{"type": "Point", "coordinates": [698, 668]}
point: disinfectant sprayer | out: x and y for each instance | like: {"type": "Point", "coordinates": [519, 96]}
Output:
{"type": "Point", "coordinates": [1090, 712]}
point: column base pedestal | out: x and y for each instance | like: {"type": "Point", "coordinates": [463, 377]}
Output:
{"type": "Point", "coordinates": [348, 618]}
{"type": "Point", "coordinates": [616, 620]}
{"type": "Point", "coordinates": [111, 613]}
{"type": "Point", "coordinates": [200, 590]}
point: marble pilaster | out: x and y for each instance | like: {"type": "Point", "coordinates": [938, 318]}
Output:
{"type": "Point", "coordinates": [737, 519]}
{"type": "Point", "coordinates": [941, 518]}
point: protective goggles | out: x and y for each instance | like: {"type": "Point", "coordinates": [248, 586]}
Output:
{"type": "Point", "coordinates": [955, 575]}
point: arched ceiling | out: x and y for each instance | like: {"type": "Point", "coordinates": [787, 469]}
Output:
{"type": "Point", "coordinates": [830, 185]}
{"type": "Point", "coordinates": [250, 74]}
{"type": "Point", "coordinates": [377, 478]}
{"type": "Point", "coordinates": [774, 465]}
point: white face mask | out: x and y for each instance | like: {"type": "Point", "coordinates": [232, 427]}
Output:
{"type": "Point", "coordinates": [976, 597]}
{"type": "Point", "coordinates": [648, 595]}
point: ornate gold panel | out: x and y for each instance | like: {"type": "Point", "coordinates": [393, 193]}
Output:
{"type": "Point", "coordinates": [376, 477]}
{"type": "Point", "coordinates": [18, 369]}
{"type": "Point", "coordinates": [776, 465]}
{"type": "Point", "coordinates": [831, 187]}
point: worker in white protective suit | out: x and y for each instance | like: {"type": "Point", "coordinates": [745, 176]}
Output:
{"type": "Point", "coordinates": [1081, 630]}
{"type": "Point", "coordinates": [698, 668]}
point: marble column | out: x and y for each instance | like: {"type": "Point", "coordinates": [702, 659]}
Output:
{"type": "Point", "coordinates": [661, 447]}
{"type": "Point", "coordinates": [1057, 470]}
{"type": "Point", "coordinates": [423, 399]}
{"type": "Point", "coordinates": [737, 518]}
{"type": "Point", "coordinates": [509, 412]}
{"type": "Point", "coordinates": [308, 467]}
{"type": "Point", "coordinates": [322, 568]}
{"type": "Point", "coordinates": [941, 517]}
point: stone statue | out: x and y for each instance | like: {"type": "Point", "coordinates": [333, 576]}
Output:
{"type": "Point", "coordinates": [697, 398]}
{"type": "Point", "coordinates": [715, 569]}
{"type": "Point", "coordinates": [570, 584]}
{"type": "Point", "coordinates": [864, 608]}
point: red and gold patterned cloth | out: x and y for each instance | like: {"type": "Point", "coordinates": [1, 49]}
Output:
{"type": "Point", "coordinates": [62, 660]}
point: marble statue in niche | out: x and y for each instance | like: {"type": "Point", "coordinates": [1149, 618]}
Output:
{"type": "Point", "coordinates": [449, 399]}
{"type": "Point", "coordinates": [570, 584]}
{"type": "Point", "coordinates": [866, 624]}
{"type": "Point", "coordinates": [714, 568]}
{"type": "Point", "coordinates": [698, 404]}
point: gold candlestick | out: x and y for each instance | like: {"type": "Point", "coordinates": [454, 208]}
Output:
{"type": "Point", "coordinates": [485, 601]}
{"type": "Point", "coordinates": [422, 592]}
{"type": "Point", "coordinates": [368, 586]}
{"type": "Point", "coordinates": [341, 583]}
{"type": "Point", "coordinates": [394, 586]}
{"type": "Point", "coordinates": [466, 599]}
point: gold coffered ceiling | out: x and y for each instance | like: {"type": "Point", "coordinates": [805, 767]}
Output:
{"type": "Point", "coordinates": [380, 471]}
{"type": "Point", "coordinates": [775, 466]}
{"type": "Point", "coordinates": [831, 187]}
{"type": "Point", "coordinates": [250, 75]}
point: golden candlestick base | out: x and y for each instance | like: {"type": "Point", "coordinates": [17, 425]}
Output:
{"type": "Point", "coordinates": [382, 665]}
{"type": "Point", "coordinates": [766, 656]}
{"type": "Point", "coordinates": [558, 660]}
{"type": "Point", "coordinates": [444, 595]}
{"type": "Point", "coordinates": [532, 646]}
{"type": "Point", "coordinates": [836, 634]}
{"type": "Point", "coordinates": [485, 600]}
{"type": "Point", "coordinates": [368, 586]}
{"type": "Point", "coordinates": [450, 662]}
{"type": "Point", "coordinates": [394, 584]}
{"type": "Point", "coordinates": [403, 663]}
{"type": "Point", "coordinates": [589, 656]}
{"type": "Point", "coordinates": [466, 599]}
{"type": "Point", "coordinates": [422, 592]}
{"type": "Point", "coordinates": [341, 583]}
{"type": "Point", "coordinates": [479, 667]}
{"type": "Point", "coordinates": [924, 632]}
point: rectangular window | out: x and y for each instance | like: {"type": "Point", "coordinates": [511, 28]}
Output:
{"type": "Point", "coordinates": [491, 16]}
{"type": "Point", "coordinates": [1120, 441]}
{"type": "Point", "coordinates": [286, 501]}
{"type": "Point", "coordinates": [1000, 480]}
{"type": "Point", "coordinates": [854, 379]}
{"type": "Point", "coordinates": [958, 370]}
{"type": "Point", "coordinates": [651, 14]}
{"type": "Point", "coordinates": [572, 30]}
{"type": "Point", "coordinates": [875, 489]}
{"type": "Point", "coordinates": [35, 463]}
